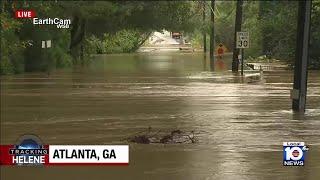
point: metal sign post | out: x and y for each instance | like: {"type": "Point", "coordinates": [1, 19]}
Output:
{"type": "Point", "coordinates": [242, 60]}
{"type": "Point", "coordinates": [242, 43]}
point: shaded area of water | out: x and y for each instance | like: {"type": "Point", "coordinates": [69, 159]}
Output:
{"type": "Point", "coordinates": [240, 126]}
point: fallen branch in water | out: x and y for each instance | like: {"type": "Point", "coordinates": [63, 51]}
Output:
{"type": "Point", "coordinates": [174, 137]}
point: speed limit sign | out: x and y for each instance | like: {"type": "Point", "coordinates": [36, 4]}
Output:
{"type": "Point", "coordinates": [242, 40]}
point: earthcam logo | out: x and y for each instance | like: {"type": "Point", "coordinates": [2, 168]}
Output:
{"type": "Point", "coordinates": [31, 14]}
{"type": "Point", "coordinates": [60, 23]}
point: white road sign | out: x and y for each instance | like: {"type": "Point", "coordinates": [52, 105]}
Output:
{"type": "Point", "coordinates": [46, 44]}
{"type": "Point", "coordinates": [242, 39]}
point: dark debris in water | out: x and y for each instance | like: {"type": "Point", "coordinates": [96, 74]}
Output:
{"type": "Point", "coordinates": [142, 139]}
{"type": "Point", "coordinates": [173, 137]}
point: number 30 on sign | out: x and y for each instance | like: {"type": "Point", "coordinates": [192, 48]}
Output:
{"type": "Point", "coordinates": [242, 39]}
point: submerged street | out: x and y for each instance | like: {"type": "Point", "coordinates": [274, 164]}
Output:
{"type": "Point", "coordinates": [240, 126]}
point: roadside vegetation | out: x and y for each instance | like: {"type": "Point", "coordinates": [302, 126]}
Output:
{"type": "Point", "coordinates": [123, 26]}
{"type": "Point", "coordinates": [272, 27]}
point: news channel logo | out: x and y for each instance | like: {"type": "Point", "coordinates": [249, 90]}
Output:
{"type": "Point", "coordinates": [28, 151]}
{"type": "Point", "coordinates": [294, 153]}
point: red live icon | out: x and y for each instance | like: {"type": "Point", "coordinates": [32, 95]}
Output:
{"type": "Point", "coordinates": [25, 14]}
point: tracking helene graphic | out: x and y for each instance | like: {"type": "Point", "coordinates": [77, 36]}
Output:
{"type": "Point", "coordinates": [28, 151]}
{"type": "Point", "coordinates": [182, 90]}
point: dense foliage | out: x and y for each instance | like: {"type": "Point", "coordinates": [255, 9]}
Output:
{"type": "Point", "coordinates": [123, 26]}
{"type": "Point", "coordinates": [97, 27]}
{"type": "Point", "coordinates": [21, 40]}
{"type": "Point", "coordinates": [272, 26]}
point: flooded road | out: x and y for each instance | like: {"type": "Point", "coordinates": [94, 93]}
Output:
{"type": "Point", "coordinates": [240, 127]}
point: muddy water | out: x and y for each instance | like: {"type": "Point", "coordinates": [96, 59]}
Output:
{"type": "Point", "coordinates": [240, 126]}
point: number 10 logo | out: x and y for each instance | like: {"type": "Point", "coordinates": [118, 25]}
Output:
{"type": "Point", "coordinates": [293, 153]}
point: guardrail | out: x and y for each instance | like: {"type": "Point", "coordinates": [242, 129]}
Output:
{"type": "Point", "coordinates": [267, 66]}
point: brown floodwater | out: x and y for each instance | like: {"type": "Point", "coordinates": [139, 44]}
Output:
{"type": "Point", "coordinates": [240, 125]}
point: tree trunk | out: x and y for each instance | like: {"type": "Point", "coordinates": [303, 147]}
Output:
{"type": "Point", "coordinates": [238, 22]}
{"type": "Point", "coordinates": [77, 36]}
{"type": "Point", "coordinates": [204, 31]}
{"type": "Point", "coordinates": [212, 36]}
{"type": "Point", "coordinates": [83, 33]}
{"type": "Point", "coordinates": [263, 5]}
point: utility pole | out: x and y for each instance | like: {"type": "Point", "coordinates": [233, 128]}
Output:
{"type": "Point", "coordinates": [212, 36]}
{"type": "Point", "coordinates": [299, 92]}
{"type": "Point", "coordinates": [238, 22]}
{"type": "Point", "coordinates": [204, 31]}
